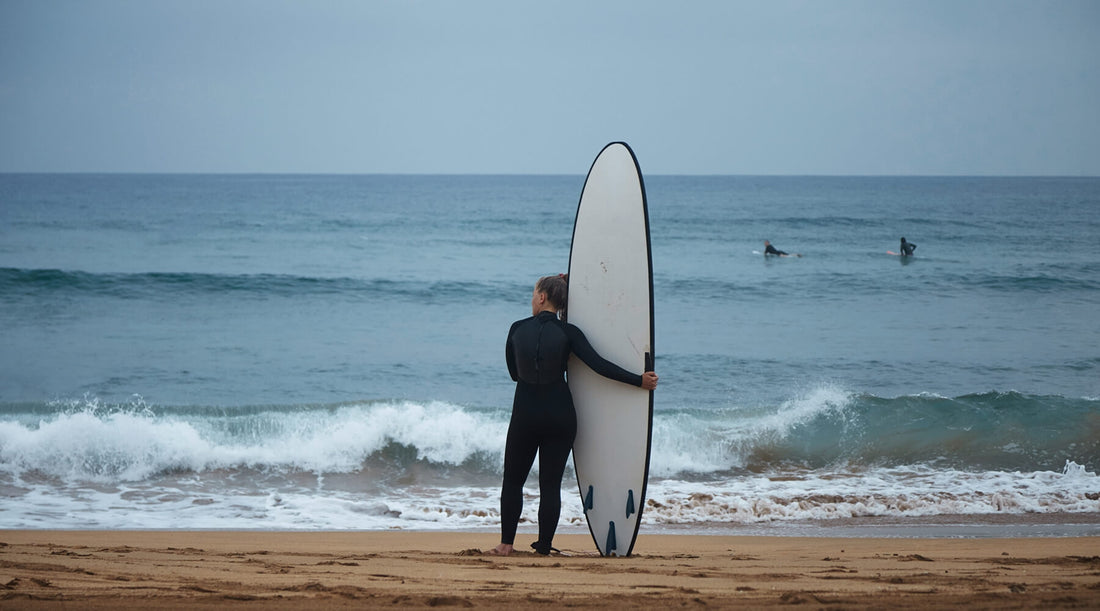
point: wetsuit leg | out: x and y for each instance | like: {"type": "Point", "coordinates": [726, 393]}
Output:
{"type": "Point", "coordinates": [560, 428]}
{"type": "Point", "coordinates": [519, 455]}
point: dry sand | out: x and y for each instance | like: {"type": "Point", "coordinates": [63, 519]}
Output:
{"type": "Point", "coordinates": [307, 570]}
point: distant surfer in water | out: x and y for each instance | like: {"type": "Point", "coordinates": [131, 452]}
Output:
{"type": "Point", "coordinates": [907, 248]}
{"type": "Point", "coordinates": [771, 250]}
{"type": "Point", "coordinates": [544, 420]}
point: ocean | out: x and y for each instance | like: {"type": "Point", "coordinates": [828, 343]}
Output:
{"type": "Point", "coordinates": [306, 352]}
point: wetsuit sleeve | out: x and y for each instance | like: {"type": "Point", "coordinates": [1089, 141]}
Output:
{"type": "Point", "coordinates": [510, 354]}
{"type": "Point", "coordinates": [600, 365]}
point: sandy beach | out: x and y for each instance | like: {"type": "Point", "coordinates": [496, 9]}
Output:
{"type": "Point", "coordinates": [310, 570]}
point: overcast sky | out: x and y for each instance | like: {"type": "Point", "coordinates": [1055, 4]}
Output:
{"type": "Point", "coordinates": [999, 87]}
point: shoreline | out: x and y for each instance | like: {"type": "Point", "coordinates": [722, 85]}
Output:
{"type": "Point", "coordinates": [941, 526]}
{"type": "Point", "coordinates": [46, 569]}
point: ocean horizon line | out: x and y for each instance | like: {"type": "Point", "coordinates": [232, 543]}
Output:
{"type": "Point", "coordinates": [116, 173]}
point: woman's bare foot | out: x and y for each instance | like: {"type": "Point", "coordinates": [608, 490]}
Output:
{"type": "Point", "coordinates": [501, 550]}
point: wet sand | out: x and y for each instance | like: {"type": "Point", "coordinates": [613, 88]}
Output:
{"type": "Point", "coordinates": [311, 570]}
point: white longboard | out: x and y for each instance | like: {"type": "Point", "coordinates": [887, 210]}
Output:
{"type": "Point", "coordinates": [611, 300]}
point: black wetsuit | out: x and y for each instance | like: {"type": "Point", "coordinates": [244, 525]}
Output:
{"type": "Point", "coordinates": [907, 248]}
{"type": "Point", "coordinates": [543, 417]}
{"type": "Point", "coordinates": [770, 250]}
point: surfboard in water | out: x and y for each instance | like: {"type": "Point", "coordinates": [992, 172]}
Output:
{"type": "Point", "coordinates": [611, 300]}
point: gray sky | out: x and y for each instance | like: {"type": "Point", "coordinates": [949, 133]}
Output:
{"type": "Point", "coordinates": [433, 86]}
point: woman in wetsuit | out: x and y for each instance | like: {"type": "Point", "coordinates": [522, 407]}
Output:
{"type": "Point", "coordinates": [543, 418]}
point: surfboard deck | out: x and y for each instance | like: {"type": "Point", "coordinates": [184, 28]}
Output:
{"type": "Point", "coordinates": [611, 300]}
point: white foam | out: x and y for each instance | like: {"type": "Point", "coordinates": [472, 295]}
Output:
{"type": "Point", "coordinates": [117, 447]}
{"type": "Point", "coordinates": [720, 440]}
{"type": "Point", "coordinates": [127, 446]}
{"type": "Point", "coordinates": [896, 492]}
{"type": "Point", "coordinates": [134, 443]}
{"type": "Point", "coordinates": [825, 399]}
{"type": "Point", "coordinates": [289, 469]}
{"type": "Point", "coordinates": [910, 492]}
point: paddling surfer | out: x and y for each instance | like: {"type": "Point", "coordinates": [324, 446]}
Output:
{"type": "Point", "coordinates": [771, 250]}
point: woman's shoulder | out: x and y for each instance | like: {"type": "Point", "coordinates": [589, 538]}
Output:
{"type": "Point", "coordinates": [518, 323]}
{"type": "Point", "coordinates": [571, 328]}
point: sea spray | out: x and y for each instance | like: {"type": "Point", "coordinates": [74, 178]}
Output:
{"type": "Point", "coordinates": [123, 444]}
{"type": "Point", "coordinates": [695, 441]}
{"type": "Point", "coordinates": [109, 448]}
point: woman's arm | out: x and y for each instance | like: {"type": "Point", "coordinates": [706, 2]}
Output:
{"type": "Point", "coordinates": [600, 365]}
{"type": "Point", "coordinates": [510, 354]}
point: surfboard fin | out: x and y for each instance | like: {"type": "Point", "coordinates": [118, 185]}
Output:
{"type": "Point", "coordinates": [588, 499]}
{"type": "Point", "coordinates": [612, 544]}
{"type": "Point", "coordinates": [630, 503]}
